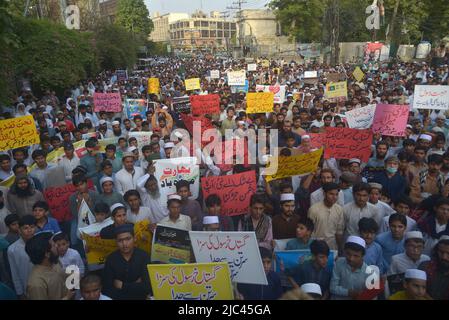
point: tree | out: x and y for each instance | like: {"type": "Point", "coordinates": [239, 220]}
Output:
{"type": "Point", "coordinates": [133, 15]}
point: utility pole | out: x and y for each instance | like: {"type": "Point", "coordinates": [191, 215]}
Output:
{"type": "Point", "coordinates": [237, 5]}
{"type": "Point", "coordinates": [224, 15]}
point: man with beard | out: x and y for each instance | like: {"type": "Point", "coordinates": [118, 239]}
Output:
{"type": "Point", "coordinates": [287, 131]}
{"type": "Point", "coordinates": [428, 182]}
{"type": "Point", "coordinates": [125, 270]}
{"type": "Point", "coordinates": [437, 270]}
{"type": "Point", "coordinates": [377, 163]}
{"type": "Point", "coordinates": [116, 130]}
{"type": "Point", "coordinates": [22, 196]}
{"type": "Point", "coordinates": [47, 279]}
{"type": "Point", "coordinates": [284, 224]}
{"type": "Point", "coordinates": [150, 196]}
{"type": "Point", "coordinates": [420, 160]}
{"type": "Point", "coordinates": [392, 182]}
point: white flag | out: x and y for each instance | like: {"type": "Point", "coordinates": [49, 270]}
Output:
{"type": "Point", "coordinates": [85, 216]}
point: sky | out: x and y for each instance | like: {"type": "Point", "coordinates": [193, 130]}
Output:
{"type": "Point", "coordinates": [189, 6]}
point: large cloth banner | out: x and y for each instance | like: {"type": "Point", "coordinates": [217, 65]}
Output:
{"type": "Point", "coordinates": [169, 171]}
{"type": "Point", "coordinates": [18, 132]}
{"type": "Point", "coordinates": [431, 97]}
{"type": "Point", "coordinates": [278, 91]}
{"type": "Point", "coordinates": [391, 119]}
{"type": "Point", "coordinates": [361, 118]}
{"type": "Point", "coordinates": [234, 191]}
{"type": "Point", "coordinates": [296, 165]}
{"type": "Point", "coordinates": [239, 249]}
{"type": "Point", "coordinates": [346, 143]}
{"type": "Point", "coordinates": [109, 102]}
{"type": "Point", "coordinates": [170, 245]}
{"type": "Point", "coordinates": [195, 281]}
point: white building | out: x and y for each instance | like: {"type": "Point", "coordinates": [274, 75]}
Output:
{"type": "Point", "coordinates": [161, 31]}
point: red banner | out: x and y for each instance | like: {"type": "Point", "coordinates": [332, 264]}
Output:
{"type": "Point", "coordinates": [346, 143]}
{"type": "Point", "coordinates": [109, 102]}
{"type": "Point", "coordinates": [58, 200]}
{"type": "Point", "coordinates": [189, 119]}
{"type": "Point", "coordinates": [235, 191]}
{"type": "Point", "coordinates": [316, 140]}
{"type": "Point", "coordinates": [391, 119]}
{"type": "Point", "coordinates": [205, 104]}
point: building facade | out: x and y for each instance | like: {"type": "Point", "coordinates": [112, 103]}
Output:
{"type": "Point", "coordinates": [161, 23]}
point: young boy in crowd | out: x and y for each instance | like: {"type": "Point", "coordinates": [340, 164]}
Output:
{"type": "Point", "coordinates": [12, 223]}
{"type": "Point", "coordinates": [67, 256]}
{"type": "Point", "coordinates": [43, 221]}
{"type": "Point", "coordinates": [412, 257]}
{"type": "Point", "coordinates": [118, 213]}
{"type": "Point", "coordinates": [190, 207]}
{"type": "Point", "coordinates": [392, 242]}
{"type": "Point", "coordinates": [368, 229]}
{"type": "Point", "coordinates": [414, 286]}
{"type": "Point", "coordinates": [402, 205]}
{"type": "Point", "coordinates": [303, 239]}
{"type": "Point", "coordinates": [90, 286]}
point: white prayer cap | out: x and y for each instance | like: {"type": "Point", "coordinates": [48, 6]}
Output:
{"type": "Point", "coordinates": [356, 240]}
{"type": "Point", "coordinates": [441, 116]}
{"type": "Point", "coordinates": [169, 145]}
{"type": "Point", "coordinates": [415, 274]}
{"type": "Point", "coordinates": [127, 154]}
{"type": "Point", "coordinates": [306, 136]}
{"type": "Point", "coordinates": [115, 123]}
{"type": "Point", "coordinates": [174, 197]}
{"type": "Point", "coordinates": [409, 126]}
{"type": "Point", "coordinates": [316, 123]}
{"type": "Point", "coordinates": [445, 237]}
{"type": "Point", "coordinates": [178, 134]}
{"type": "Point", "coordinates": [287, 197]}
{"type": "Point", "coordinates": [106, 179]}
{"type": "Point", "coordinates": [165, 108]}
{"type": "Point", "coordinates": [425, 137]}
{"type": "Point", "coordinates": [132, 148]}
{"type": "Point", "coordinates": [354, 160]}
{"type": "Point", "coordinates": [375, 185]}
{"type": "Point", "coordinates": [311, 288]}
{"type": "Point", "coordinates": [116, 206]}
{"type": "Point", "coordinates": [265, 158]}
{"type": "Point", "coordinates": [241, 122]}
{"type": "Point", "coordinates": [437, 129]}
{"type": "Point", "coordinates": [413, 235]}
{"type": "Point", "coordinates": [210, 220]}
{"type": "Point", "coordinates": [102, 121]}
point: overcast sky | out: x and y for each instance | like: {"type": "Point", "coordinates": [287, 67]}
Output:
{"type": "Point", "coordinates": [189, 6]}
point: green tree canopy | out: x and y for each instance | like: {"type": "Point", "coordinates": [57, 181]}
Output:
{"type": "Point", "coordinates": [133, 15]}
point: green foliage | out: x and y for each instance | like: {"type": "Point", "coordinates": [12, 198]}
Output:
{"type": "Point", "coordinates": [157, 48]}
{"type": "Point", "coordinates": [133, 15]}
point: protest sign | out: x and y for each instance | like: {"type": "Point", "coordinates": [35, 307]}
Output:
{"type": "Point", "coordinates": [98, 249]}
{"type": "Point", "coordinates": [215, 74]}
{"type": "Point", "coordinates": [316, 140]}
{"type": "Point", "coordinates": [143, 137]}
{"type": "Point", "coordinates": [336, 90]}
{"type": "Point", "coordinates": [239, 249]}
{"type": "Point", "coordinates": [205, 104]}
{"type": "Point", "coordinates": [310, 74]}
{"type": "Point", "coordinates": [134, 107]}
{"type": "Point", "coordinates": [85, 216]}
{"type": "Point", "coordinates": [278, 91]}
{"type": "Point", "coordinates": [55, 177]}
{"type": "Point", "coordinates": [265, 63]}
{"type": "Point", "coordinates": [194, 281]}
{"type": "Point", "coordinates": [153, 85]}
{"type": "Point", "coordinates": [58, 200]}
{"type": "Point", "coordinates": [292, 258]}
{"type": "Point", "coordinates": [170, 245]}
{"type": "Point", "coordinates": [192, 84]}
{"type": "Point", "coordinates": [281, 244]}
{"type": "Point", "coordinates": [346, 143]}
{"type": "Point", "coordinates": [169, 171]}
{"type": "Point", "coordinates": [252, 67]}
{"type": "Point", "coordinates": [259, 102]}
{"type": "Point", "coordinates": [391, 119]}
{"type": "Point", "coordinates": [358, 74]}
{"type": "Point", "coordinates": [335, 76]}
{"type": "Point", "coordinates": [238, 89]}
{"type": "Point", "coordinates": [109, 102]}
{"type": "Point", "coordinates": [296, 165]}
{"type": "Point", "coordinates": [143, 235]}
{"type": "Point", "coordinates": [361, 118]}
{"type": "Point", "coordinates": [431, 97]}
{"type": "Point", "coordinates": [18, 132]}
{"type": "Point", "coordinates": [236, 78]}
{"type": "Point", "coordinates": [181, 104]}
{"type": "Point", "coordinates": [94, 229]}
{"type": "Point", "coordinates": [188, 121]}
{"type": "Point", "coordinates": [122, 75]}
{"type": "Point", "coordinates": [234, 191]}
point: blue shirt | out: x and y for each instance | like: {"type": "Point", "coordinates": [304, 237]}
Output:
{"type": "Point", "coordinates": [307, 273]}
{"type": "Point", "coordinates": [272, 291]}
{"type": "Point", "coordinates": [296, 244]}
{"type": "Point", "coordinates": [51, 225]}
{"type": "Point", "coordinates": [374, 256]}
{"type": "Point", "coordinates": [344, 279]}
{"type": "Point", "coordinates": [390, 247]}
{"type": "Point", "coordinates": [394, 186]}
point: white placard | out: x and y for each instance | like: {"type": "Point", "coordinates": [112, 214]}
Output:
{"type": "Point", "coordinates": [361, 118]}
{"type": "Point", "coordinates": [431, 97]}
{"type": "Point", "coordinates": [236, 78]}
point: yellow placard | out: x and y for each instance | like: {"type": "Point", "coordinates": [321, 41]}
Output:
{"type": "Point", "coordinates": [358, 74]}
{"type": "Point", "coordinates": [193, 84]}
{"type": "Point", "coordinates": [99, 249]}
{"type": "Point", "coordinates": [165, 253]}
{"type": "Point", "coordinates": [336, 89]}
{"type": "Point", "coordinates": [195, 281]}
{"type": "Point", "coordinates": [259, 102]}
{"type": "Point", "coordinates": [153, 85]}
{"type": "Point", "coordinates": [295, 165]}
{"type": "Point", "coordinates": [266, 63]}
{"type": "Point", "coordinates": [18, 132]}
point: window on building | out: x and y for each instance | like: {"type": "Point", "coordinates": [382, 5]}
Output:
{"type": "Point", "coordinates": [226, 34]}
{"type": "Point", "coordinates": [186, 24]}
{"type": "Point", "coordinates": [233, 26]}
{"type": "Point", "coordinates": [204, 23]}
{"type": "Point", "coordinates": [205, 33]}
{"type": "Point", "coordinates": [220, 25]}
{"type": "Point", "coordinates": [196, 23]}
{"type": "Point", "coordinates": [213, 34]}
{"type": "Point", "coordinates": [226, 25]}
{"type": "Point", "coordinates": [233, 34]}
{"type": "Point", "coordinates": [182, 34]}
{"type": "Point", "coordinates": [220, 33]}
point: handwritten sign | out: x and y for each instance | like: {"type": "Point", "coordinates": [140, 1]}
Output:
{"type": "Point", "coordinates": [296, 165]}
{"type": "Point", "coordinates": [431, 97]}
{"type": "Point", "coordinates": [358, 74]}
{"type": "Point", "coordinates": [122, 75]}
{"type": "Point", "coordinates": [236, 78]}
{"type": "Point", "coordinates": [361, 118]}
{"type": "Point", "coordinates": [252, 67]}
{"type": "Point", "coordinates": [188, 121]}
{"type": "Point", "coordinates": [109, 102]}
{"type": "Point", "coordinates": [391, 119]}
{"type": "Point", "coordinates": [336, 90]}
{"type": "Point", "coordinates": [195, 281]}
{"type": "Point", "coordinates": [259, 102]}
{"type": "Point", "coordinates": [134, 107]}
{"type": "Point", "coordinates": [346, 143]}
{"type": "Point", "coordinates": [193, 84]}
{"type": "Point", "coordinates": [143, 138]}
{"type": "Point", "coordinates": [239, 249]}
{"type": "Point", "coordinates": [153, 86]}
{"type": "Point", "coordinates": [278, 91]}
{"type": "Point", "coordinates": [170, 245]}
{"type": "Point", "coordinates": [215, 74]}
{"type": "Point", "coordinates": [234, 191]}
{"type": "Point", "coordinates": [310, 74]}
{"type": "Point", "coordinates": [292, 258]}
{"type": "Point", "coordinates": [205, 104]}
{"type": "Point", "coordinates": [181, 104]}
{"type": "Point", "coordinates": [169, 171]}
{"type": "Point", "coordinates": [18, 132]}
{"type": "Point", "coordinates": [265, 63]}
{"type": "Point", "coordinates": [316, 140]}
{"type": "Point", "coordinates": [58, 200]}
{"type": "Point", "coordinates": [238, 89]}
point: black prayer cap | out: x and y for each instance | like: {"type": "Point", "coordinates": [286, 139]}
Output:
{"type": "Point", "coordinates": [124, 228]}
